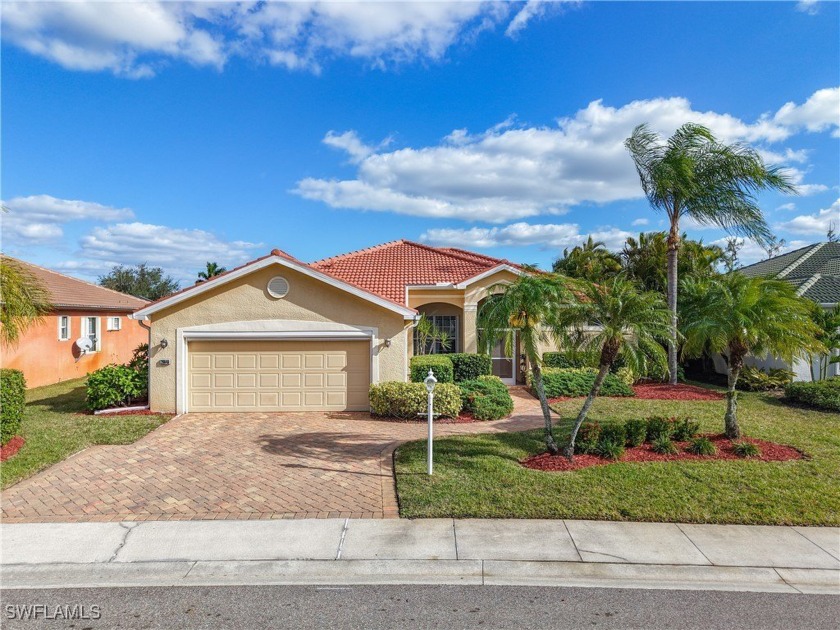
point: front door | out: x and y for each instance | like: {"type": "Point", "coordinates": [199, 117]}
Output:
{"type": "Point", "coordinates": [504, 365]}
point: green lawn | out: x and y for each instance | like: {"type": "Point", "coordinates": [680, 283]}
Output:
{"type": "Point", "coordinates": [55, 426]}
{"type": "Point", "coordinates": [479, 476]}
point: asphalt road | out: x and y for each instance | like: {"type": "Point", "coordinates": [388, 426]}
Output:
{"type": "Point", "coordinates": [449, 607]}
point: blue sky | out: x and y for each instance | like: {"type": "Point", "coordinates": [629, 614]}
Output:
{"type": "Point", "coordinates": [175, 134]}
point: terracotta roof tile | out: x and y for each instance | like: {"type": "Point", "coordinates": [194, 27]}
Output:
{"type": "Point", "coordinates": [69, 292]}
{"type": "Point", "coordinates": [387, 269]}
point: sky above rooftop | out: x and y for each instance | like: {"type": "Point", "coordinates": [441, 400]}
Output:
{"type": "Point", "coordinates": [174, 133]}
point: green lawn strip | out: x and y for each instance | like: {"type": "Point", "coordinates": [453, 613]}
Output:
{"type": "Point", "coordinates": [55, 426]}
{"type": "Point", "coordinates": [480, 476]}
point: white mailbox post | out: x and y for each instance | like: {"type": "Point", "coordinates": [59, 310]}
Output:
{"type": "Point", "coordinates": [430, 381]}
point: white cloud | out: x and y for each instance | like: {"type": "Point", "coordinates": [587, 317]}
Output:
{"type": "Point", "coordinates": [789, 207]}
{"type": "Point", "coordinates": [549, 235]}
{"type": "Point", "coordinates": [511, 172]}
{"type": "Point", "coordinates": [638, 222]}
{"type": "Point", "coordinates": [820, 112]}
{"type": "Point", "coordinates": [811, 7]}
{"type": "Point", "coordinates": [38, 218]}
{"type": "Point", "coordinates": [535, 9]}
{"type": "Point", "coordinates": [134, 39]}
{"type": "Point", "coordinates": [797, 176]}
{"type": "Point", "coordinates": [179, 251]}
{"type": "Point", "coordinates": [817, 223]}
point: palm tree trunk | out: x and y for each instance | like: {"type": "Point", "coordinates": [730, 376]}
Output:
{"type": "Point", "coordinates": [732, 430]}
{"type": "Point", "coordinates": [550, 444]}
{"type": "Point", "coordinates": [673, 250]}
{"type": "Point", "coordinates": [569, 449]}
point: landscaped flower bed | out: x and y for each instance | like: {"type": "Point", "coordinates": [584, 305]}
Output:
{"type": "Point", "coordinates": [11, 447]}
{"type": "Point", "coordinates": [665, 391]}
{"type": "Point", "coordinates": [770, 452]}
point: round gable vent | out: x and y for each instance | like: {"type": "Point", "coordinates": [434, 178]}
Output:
{"type": "Point", "coordinates": [278, 287]}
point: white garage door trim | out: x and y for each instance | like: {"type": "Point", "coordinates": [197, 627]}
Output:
{"type": "Point", "coordinates": [267, 330]}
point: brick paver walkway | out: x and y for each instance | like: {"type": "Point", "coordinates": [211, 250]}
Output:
{"type": "Point", "coordinates": [239, 466]}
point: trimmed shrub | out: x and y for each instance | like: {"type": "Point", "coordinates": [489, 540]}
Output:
{"type": "Point", "coordinates": [115, 386]}
{"type": "Point", "coordinates": [746, 449]}
{"type": "Point", "coordinates": [636, 431]}
{"type": "Point", "coordinates": [486, 398]}
{"type": "Point", "coordinates": [685, 429]}
{"type": "Point", "coordinates": [468, 367]}
{"type": "Point", "coordinates": [562, 360]}
{"type": "Point", "coordinates": [438, 363]}
{"type": "Point", "coordinates": [820, 394]}
{"type": "Point", "coordinates": [578, 381]}
{"type": "Point", "coordinates": [753, 379]}
{"type": "Point", "coordinates": [659, 427]}
{"type": "Point", "coordinates": [626, 375]}
{"type": "Point", "coordinates": [664, 446]}
{"type": "Point", "coordinates": [611, 442]}
{"type": "Point", "coordinates": [702, 446]}
{"type": "Point", "coordinates": [588, 437]}
{"type": "Point", "coordinates": [610, 450]}
{"type": "Point", "coordinates": [395, 399]}
{"type": "Point", "coordinates": [12, 402]}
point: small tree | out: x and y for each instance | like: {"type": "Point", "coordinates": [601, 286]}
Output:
{"type": "Point", "coordinates": [828, 322]}
{"type": "Point", "coordinates": [210, 271]}
{"type": "Point", "coordinates": [150, 283]}
{"type": "Point", "coordinates": [736, 315]}
{"type": "Point", "coordinates": [24, 300]}
{"type": "Point", "coordinates": [526, 306]}
{"type": "Point", "coordinates": [614, 319]}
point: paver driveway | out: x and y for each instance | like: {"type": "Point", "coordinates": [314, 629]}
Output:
{"type": "Point", "coordinates": [238, 466]}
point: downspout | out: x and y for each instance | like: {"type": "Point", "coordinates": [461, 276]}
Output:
{"type": "Point", "coordinates": [411, 326]}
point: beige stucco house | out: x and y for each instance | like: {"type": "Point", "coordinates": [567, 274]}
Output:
{"type": "Point", "coordinates": [278, 334]}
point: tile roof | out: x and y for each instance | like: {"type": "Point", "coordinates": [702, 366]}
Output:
{"type": "Point", "coordinates": [69, 292]}
{"type": "Point", "coordinates": [814, 270]}
{"type": "Point", "coordinates": [387, 269]}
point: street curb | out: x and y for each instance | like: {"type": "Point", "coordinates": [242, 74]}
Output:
{"type": "Point", "coordinates": [439, 572]}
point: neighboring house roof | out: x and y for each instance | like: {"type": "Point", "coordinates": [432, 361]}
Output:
{"type": "Point", "coordinates": [814, 270]}
{"type": "Point", "coordinates": [69, 292]}
{"type": "Point", "coordinates": [389, 268]}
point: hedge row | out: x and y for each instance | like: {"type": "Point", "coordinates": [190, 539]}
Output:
{"type": "Point", "coordinates": [119, 385]}
{"type": "Point", "coordinates": [821, 394]}
{"type": "Point", "coordinates": [573, 382]}
{"type": "Point", "coordinates": [12, 402]}
{"type": "Point", "coordinates": [450, 368]}
{"type": "Point", "coordinates": [395, 399]}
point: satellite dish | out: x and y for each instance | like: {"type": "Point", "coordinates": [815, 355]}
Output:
{"type": "Point", "coordinates": [84, 343]}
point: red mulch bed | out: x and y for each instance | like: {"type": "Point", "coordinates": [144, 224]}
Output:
{"type": "Point", "coordinates": [664, 391]}
{"type": "Point", "coordinates": [770, 452]}
{"type": "Point", "coordinates": [11, 447]}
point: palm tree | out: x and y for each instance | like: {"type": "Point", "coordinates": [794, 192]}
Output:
{"type": "Point", "coordinates": [591, 261]}
{"type": "Point", "coordinates": [694, 175]}
{"type": "Point", "coordinates": [828, 322]}
{"type": "Point", "coordinates": [210, 271]}
{"type": "Point", "coordinates": [627, 322]}
{"type": "Point", "coordinates": [526, 306]}
{"type": "Point", "coordinates": [24, 300]}
{"type": "Point", "coordinates": [736, 315]}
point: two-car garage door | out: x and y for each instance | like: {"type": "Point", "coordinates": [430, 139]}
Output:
{"type": "Point", "coordinates": [278, 375]}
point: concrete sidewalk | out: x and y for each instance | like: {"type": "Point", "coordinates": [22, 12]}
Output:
{"type": "Point", "coordinates": [436, 551]}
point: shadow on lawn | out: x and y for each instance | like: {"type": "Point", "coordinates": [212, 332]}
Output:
{"type": "Point", "coordinates": [72, 401]}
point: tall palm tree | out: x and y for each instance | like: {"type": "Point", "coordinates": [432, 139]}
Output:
{"type": "Point", "coordinates": [526, 306]}
{"type": "Point", "coordinates": [23, 300]}
{"type": "Point", "coordinates": [736, 315]}
{"type": "Point", "coordinates": [591, 261]}
{"type": "Point", "coordinates": [212, 270]}
{"type": "Point", "coordinates": [694, 175]}
{"type": "Point", "coordinates": [628, 323]}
